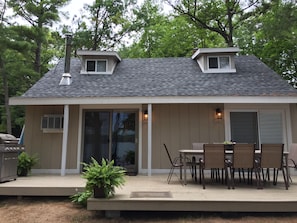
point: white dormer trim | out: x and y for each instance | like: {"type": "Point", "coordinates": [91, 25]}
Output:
{"type": "Point", "coordinates": [201, 51]}
{"type": "Point", "coordinates": [98, 53]}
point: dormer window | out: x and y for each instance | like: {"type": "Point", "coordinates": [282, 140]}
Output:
{"type": "Point", "coordinates": [216, 60]}
{"type": "Point", "coordinates": [222, 62]}
{"type": "Point", "coordinates": [96, 66]}
{"type": "Point", "coordinates": [98, 62]}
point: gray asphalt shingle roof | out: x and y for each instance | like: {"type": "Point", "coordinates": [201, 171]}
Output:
{"type": "Point", "coordinates": [157, 77]}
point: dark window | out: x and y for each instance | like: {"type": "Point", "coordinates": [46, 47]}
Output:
{"type": "Point", "coordinates": [213, 63]}
{"type": "Point", "coordinates": [91, 65]}
{"type": "Point", "coordinates": [244, 127]}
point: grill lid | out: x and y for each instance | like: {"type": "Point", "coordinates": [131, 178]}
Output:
{"type": "Point", "coordinates": [8, 139]}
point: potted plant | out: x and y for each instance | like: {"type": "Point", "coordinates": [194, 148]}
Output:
{"type": "Point", "coordinates": [103, 178]}
{"type": "Point", "coordinates": [25, 163]}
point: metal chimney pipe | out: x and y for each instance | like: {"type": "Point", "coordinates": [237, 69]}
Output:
{"type": "Point", "coordinates": [66, 77]}
{"type": "Point", "coordinates": [68, 53]}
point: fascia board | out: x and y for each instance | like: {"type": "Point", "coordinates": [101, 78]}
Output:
{"type": "Point", "coordinates": [152, 100]}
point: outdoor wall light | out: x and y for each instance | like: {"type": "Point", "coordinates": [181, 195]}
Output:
{"type": "Point", "coordinates": [145, 115]}
{"type": "Point", "coordinates": [219, 113]}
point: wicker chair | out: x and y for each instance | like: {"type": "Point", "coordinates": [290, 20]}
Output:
{"type": "Point", "coordinates": [213, 158]}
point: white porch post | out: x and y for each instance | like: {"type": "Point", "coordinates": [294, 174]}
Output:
{"type": "Point", "coordinates": [149, 140]}
{"type": "Point", "coordinates": [65, 139]}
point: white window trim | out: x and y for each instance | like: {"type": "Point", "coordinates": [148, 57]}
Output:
{"type": "Point", "coordinates": [52, 130]}
{"type": "Point", "coordinates": [219, 70]}
{"type": "Point", "coordinates": [95, 72]}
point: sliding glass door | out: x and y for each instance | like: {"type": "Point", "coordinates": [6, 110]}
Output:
{"type": "Point", "coordinates": [111, 135]}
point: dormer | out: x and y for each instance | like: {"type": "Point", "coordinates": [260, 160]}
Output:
{"type": "Point", "coordinates": [216, 60]}
{"type": "Point", "coordinates": [98, 62]}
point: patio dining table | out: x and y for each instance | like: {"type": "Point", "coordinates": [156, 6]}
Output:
{"type": "Point", "coordinates": [199, 152]}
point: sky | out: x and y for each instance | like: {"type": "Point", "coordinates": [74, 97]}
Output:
{"type": "Point", "coordinates": [73, 8]}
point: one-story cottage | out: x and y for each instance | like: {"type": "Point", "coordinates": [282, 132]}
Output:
{"type": "Point", "coordinates": [100, 105]}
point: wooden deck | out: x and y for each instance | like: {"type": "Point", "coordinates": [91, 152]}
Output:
{"type": "Point", "coordinates": [216, 197]}
{"type": "Point", "coordinates": [154, 194]}
{"type": "Point", "coordinates": [43, 185]}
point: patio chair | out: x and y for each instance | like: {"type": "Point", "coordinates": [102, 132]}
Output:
{"type": "Point", "coordinates": [243, 159]}
{"type": "Point", "coordinates": [175, 163]}
{"type": "Point", "coordinates": [292, 158]}
{"type": "Point", "coordinates": [271, 157]}
{"type": "Point", "coordinates": [213, 158]}
{"type": "Point", "coordinates": [196, 146]}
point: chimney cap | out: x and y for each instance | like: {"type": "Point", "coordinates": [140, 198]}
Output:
{"type": "Point", "coordinates": [66, 79]}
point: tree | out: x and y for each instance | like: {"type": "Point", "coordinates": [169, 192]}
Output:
{"type": "Point", "coordinates": [105, 24]}
{"type": "Point", "coordinates": [272, 38]}
{"type": "Point", "coordinates": [9, 54]}
{"type": "Point", "coordinates": [222, 16]}
{"type": "Point", "coordinates": [4, 42]}
{"type": "Point", "coordinates": [166, 35]}
{"type": "Point", "coordinates": [39, 14]}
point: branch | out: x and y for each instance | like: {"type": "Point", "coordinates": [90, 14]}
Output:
{"type": "Point", "coordinates": [3, 11]}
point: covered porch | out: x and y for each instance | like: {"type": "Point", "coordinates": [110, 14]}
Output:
{"type": "Point", "coordinates": [152, 193]}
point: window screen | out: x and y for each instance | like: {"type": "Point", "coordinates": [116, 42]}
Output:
{"type": "Point", "coordinates": [224, 63]}
{"type": "Point", "coordinates": [101, 66]}
{"type": "Point", "coordinates": [271, 127]}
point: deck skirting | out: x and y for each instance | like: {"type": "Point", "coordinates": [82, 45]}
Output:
{"type": "Point", "coordinates": [183, 205]}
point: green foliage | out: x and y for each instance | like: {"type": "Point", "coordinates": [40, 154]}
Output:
{"type": "Point", "coordinates": [222, 17]}
{"type": "Point", "coordinates": [166, 36]}
{"type": "Point", "coordinates": [272, 38]}
{"type": "Point", "coordinates": [81, 197]}
{"type": "Point", "coordinates": [40, 15]}
{"type": "Point", "coordinates": [105, 24]}
{"type": "Point", "coordinates": [105, 175]}
{"type": "Point", "coordinates": [25, 163]}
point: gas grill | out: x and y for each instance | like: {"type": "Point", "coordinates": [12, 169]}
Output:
{"type": "Point", "coordinates": [9, 151]}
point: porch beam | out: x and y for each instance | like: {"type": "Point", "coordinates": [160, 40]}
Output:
{"type": "Point", "coordinates": [149, 140]}
{"type": "Point", "coordinates": [65, 139]}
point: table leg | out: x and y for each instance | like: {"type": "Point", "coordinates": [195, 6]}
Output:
{"type": "Point", "coordinates": [181, 168]}
{"type": "Point", "coordinates": [185, 169]}
{"type": "Point", "coordinates": [287, 169]}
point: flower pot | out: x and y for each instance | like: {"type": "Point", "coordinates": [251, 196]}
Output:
{"type": "Point", "coordinates": [23, 173]}
{"type": "Point", "coordinates": [99, 192]}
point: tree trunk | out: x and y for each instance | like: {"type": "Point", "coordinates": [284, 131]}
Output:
{"type": "Point", "coordinates": [230, 24]}
{"type": "Point", "coordinates": [6, 96]}
{"type": "Point", "coordinates": [37, 66]}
